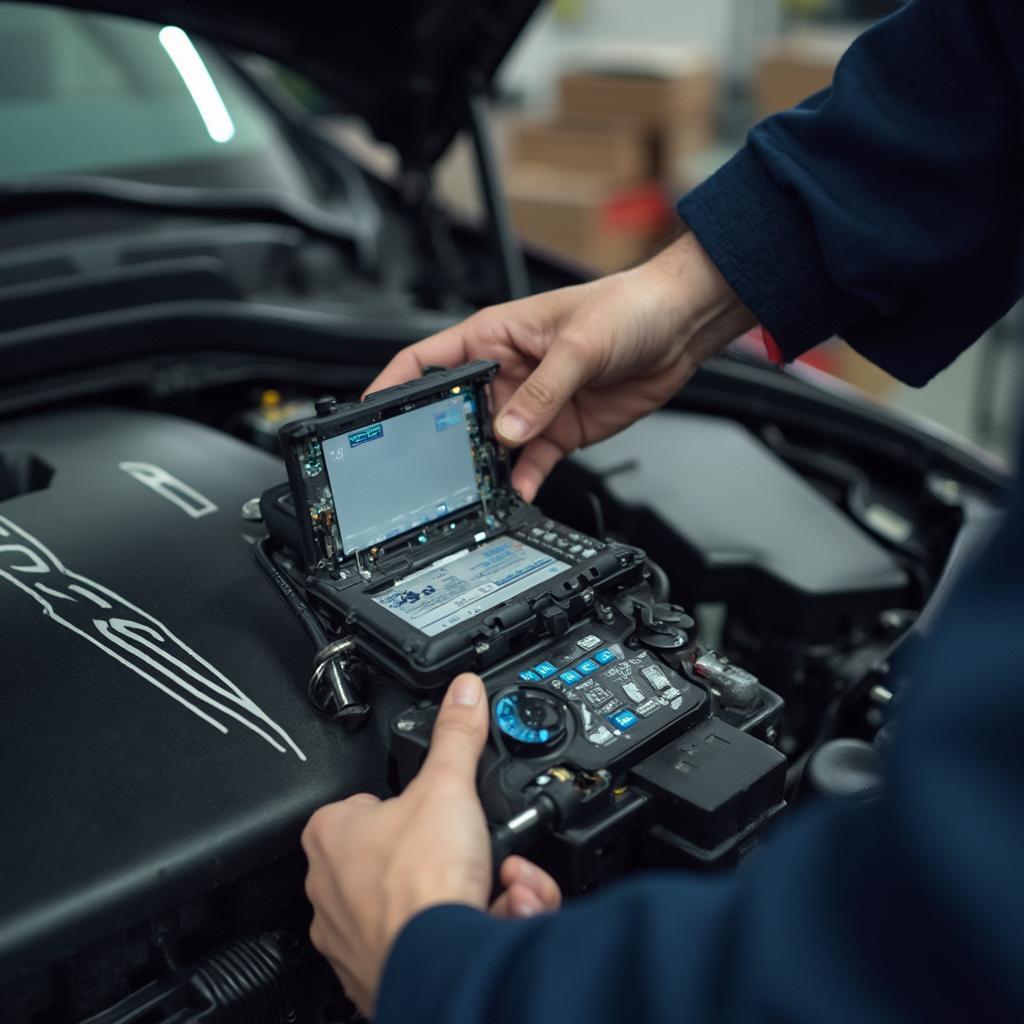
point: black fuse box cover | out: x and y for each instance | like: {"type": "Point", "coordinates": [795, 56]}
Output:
{"type": "Point", "coordinates": [712, 783]}
{"type": "Point", "coordinates": [728, 520]}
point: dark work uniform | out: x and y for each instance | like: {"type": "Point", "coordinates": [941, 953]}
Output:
{"type": "Point", "coordinates": [888, 210]}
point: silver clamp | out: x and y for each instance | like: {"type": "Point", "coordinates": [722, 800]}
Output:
{"type": "Point", "coordinates": [331, 666]}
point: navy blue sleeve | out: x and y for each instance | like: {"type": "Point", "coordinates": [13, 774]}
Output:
{"type": "Point", "coordinates": [910, 909]}
{"type": "Point", "coordinates": [888, 209]}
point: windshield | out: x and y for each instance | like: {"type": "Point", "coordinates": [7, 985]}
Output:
{"type": "Point", "coordinates": [93, 94]}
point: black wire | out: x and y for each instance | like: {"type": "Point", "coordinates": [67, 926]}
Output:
{"type": "Point", "coordinates": [660, 584]}
{"type": "Point", "coordinates": [291, 597]}
{"type": "Point", "coordinates": [597, 511]}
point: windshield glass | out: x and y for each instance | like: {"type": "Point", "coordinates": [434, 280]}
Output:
{"type": "Point", "coordinates": [91, 94]}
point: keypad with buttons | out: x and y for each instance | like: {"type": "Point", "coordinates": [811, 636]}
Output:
{"type": "Point", "coordinates": [558, 540]}
{"type": "Point", "coordinates": [620, 693]}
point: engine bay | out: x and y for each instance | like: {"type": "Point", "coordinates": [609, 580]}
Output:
{"type": "Point", "coordinates": [163, 754]}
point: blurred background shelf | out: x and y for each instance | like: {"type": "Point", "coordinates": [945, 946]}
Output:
{"type": "Point", "coordinates": [607, 112]}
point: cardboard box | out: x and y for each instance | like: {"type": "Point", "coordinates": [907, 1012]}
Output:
{"type": "Point", "coordinates": [675, 101]}
{"type": "Point", "coordinates": [618, 146]}
{"type": "Point", "coordinates": [790, 70]}
{"type": "Point", "coordinates": [656, 100]}
{"type": "Point", "coordinates": [591, 219]}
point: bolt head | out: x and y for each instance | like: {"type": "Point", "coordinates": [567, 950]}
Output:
{"type": "Point", "coordinates": [251, 511]}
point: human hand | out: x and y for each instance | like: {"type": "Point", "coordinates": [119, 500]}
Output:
{"type": "Point", "coordinates": [373, 865]}
{"type": "Point", "coordinates": [579, 364]}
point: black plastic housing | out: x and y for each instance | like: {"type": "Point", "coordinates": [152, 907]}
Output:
{"type": "Point", "coordinates": [710, 789]}
{"type": "Point", "coordinates": [730, 521]}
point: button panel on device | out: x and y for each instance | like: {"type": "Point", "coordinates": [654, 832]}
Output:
{"type": "Point", "coordinates": [614, 689]}
{"type": "Point", "coordinates": [558, 540]}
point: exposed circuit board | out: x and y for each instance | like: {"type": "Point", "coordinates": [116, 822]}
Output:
{"type": "Point", "coordinates": [484, 470]}
{"type": "Point", "coordinates": [489, 470]}
{"type": "Point", "coordinates": [321, 508]}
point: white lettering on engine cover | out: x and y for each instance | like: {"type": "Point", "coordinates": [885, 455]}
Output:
{"type": "Point", "coordinates": [170, 488]}
{"type": "Point", "coordinates": [130, 636]}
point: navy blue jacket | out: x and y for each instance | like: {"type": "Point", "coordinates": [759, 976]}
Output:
{"type": "Point", "coordinates": [887, 209]}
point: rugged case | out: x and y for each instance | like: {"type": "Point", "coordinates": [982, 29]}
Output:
{"type": "Point", "coordinates": [345, 585]}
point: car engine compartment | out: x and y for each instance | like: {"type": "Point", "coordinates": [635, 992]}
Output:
{"type": "Point", "coordinates": [162, 754]}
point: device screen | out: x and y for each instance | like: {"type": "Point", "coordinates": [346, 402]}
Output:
{"type": "Point", "coordinates": [455, 589]}
{"type": "Point", "coordinates": [400, 473]}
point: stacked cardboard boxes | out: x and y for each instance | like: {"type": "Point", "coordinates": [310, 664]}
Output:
{"type": "Point", "coordinates": [791, 69]}
{"type": "Point", "coordinates": [594, 181]}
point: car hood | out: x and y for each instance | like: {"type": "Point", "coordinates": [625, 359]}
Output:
{"type": "Point", "coordinates": [405, 66]}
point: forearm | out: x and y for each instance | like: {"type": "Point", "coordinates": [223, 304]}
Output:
{"type": "Point", "coordinates": [704, 309]}
{"type": "Point", "coordinates": [887, 209]}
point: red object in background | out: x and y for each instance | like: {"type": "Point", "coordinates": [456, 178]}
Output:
{"type": "Point", "coordinates": [822, 357]}
{"type": "Point", "coordinates": [638, 209]}
{"type": "Point", "coordinates": [774, 352]}
{"type": "Point", "coordinates": [825, 357]}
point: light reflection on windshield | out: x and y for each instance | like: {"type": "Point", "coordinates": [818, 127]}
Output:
{"type": "Point", "coordinates": [84, 93]}
{"type": "Point", "coordinates": [197, 80]}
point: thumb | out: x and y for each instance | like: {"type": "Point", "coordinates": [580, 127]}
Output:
{"type": "Point", "coordinates": [460, 731]}
{"type": "Point", "coordinates": [543, 395]}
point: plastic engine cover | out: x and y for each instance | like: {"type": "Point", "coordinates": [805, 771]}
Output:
{"type": "Point", "coordinates": [157, 736]}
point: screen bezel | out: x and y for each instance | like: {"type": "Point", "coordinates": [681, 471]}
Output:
{"type": "Point", "coordinates": [297, 436]}
{"type": "Point", "coordinates": [397, 414]}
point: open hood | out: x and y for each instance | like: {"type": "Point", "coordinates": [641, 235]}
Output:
{"type": "Point", "coordinates": [404, 66]}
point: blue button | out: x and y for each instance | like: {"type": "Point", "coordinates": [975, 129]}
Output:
{"type": "Point", "coordinates": [604, 656]}
{"type": "Point", "coordinates": [585, 668]}
{"type": "Point", "coordinates": [624, 719]}
{"type": "Point", "coordinates": [545, 669]}
{"type": "Point", "coordinates": [529, 676]}
{"type": "Point", "coordinates": [569, 677]}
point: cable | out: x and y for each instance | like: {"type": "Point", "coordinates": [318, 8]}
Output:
{"type": "Point", "coordinates": [291, 597]}
{"type": "Point", "coordinates": [333, 688]}
{"type": "Point", "coordinates": [660, 584]}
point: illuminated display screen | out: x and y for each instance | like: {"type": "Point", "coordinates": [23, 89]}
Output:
{"type": "Point", "coordinates": [455, 589]}
{"type": "Point", "coordinates": [390, 477]}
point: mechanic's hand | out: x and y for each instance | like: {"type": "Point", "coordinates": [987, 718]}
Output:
{"type": "Point", "coordinates": [374, 865]}
{"type": "Point", "coordinates": [527, 890]}
{"type": "Point", "coordinates": [579, 364]}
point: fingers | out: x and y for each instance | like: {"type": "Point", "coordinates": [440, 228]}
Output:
{"type": "Point", "coordinates": [535, 462]}
{"type": "Point", "coordinates": [540, 398]}
{"type": "Point", "coordinates": [529, 890]}
{"type": "Point", "coordinates": [518, 902]}
{"type": "Point", "coordinates": [460, 731]}
{"type": "Point", "coordinates": [518, 871]}
{"type": "Point", "coordinates": [446, 348]}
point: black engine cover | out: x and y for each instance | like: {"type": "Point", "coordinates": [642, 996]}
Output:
{"type": "Point", "coordinates": [157, 741]}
